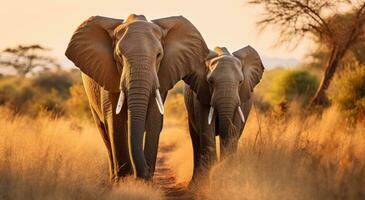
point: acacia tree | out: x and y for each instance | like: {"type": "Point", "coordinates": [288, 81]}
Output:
{"type": "Point", "coordinates": [321, 20]}
{"type": "Point", "coordinates": [25, 59]}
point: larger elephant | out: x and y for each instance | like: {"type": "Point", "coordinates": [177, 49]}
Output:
{"type": "Point", "coordinates": [125, 67]}
{"type": "Point", "coordinates": [231, 80]}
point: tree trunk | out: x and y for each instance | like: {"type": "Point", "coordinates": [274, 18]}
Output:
{"type": "Point", "coordinates": [333, 63]}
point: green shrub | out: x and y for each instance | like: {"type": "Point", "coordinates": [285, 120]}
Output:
{"type": "Point", "coordinates": [348, 92]}
{"type": "Point", "coordinates": [14, 91]}
{"type": "Point", "coordinates": [51, 102]}
{"type": "Point", "coordinates": [46, 92]}
{"type": "Point", "coordinates": [289, 85]}
{"type": "Point", "coordinates": [60, 81]}
{"type": "Point", "coordinates": [6, 93]}
{"type": "Point", "coordinates": [21, 99]}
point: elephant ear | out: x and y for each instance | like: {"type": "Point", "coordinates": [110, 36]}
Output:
{"type": "Point", "coordinates": [252, 66]}
{"type": "Point", "coordinates": [185, 51]}
{"type": "Point", "coordinates": [91, 50]}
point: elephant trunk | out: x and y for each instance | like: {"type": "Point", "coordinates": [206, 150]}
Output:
{"type": "Point", "coordinates": [225, 115]}
{"type": "Point", "coordinates": [228, 132]}
{"type": "Point", "coordinates": [141, 86]}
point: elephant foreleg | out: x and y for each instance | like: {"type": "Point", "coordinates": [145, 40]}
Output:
{"type": "Point", "coordinates": [116, 125]}
{"type": "Point", "coordinates": [205, 140]}
{"type": "Point", "coordinates": [208, 151]}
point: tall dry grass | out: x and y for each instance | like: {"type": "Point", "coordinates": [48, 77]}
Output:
{"type": "Point", "coordinates": [284, 156]}
{"type": "Point", "coordinates": [314, 157]}
{"type": "Point", "coordinates": [292, 156]}
{"type": "Point", "coordinates": [58, 158]}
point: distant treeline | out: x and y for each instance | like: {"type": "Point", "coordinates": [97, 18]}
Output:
{"type": "Point", "coordinates": [59, 92]}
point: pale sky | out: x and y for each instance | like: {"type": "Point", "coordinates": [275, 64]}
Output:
{"type": "Point", "coordinates": [229, 23]}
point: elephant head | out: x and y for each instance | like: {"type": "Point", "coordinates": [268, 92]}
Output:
{"type": "Point", "coordinates": [231, 80]}
{"type": "Point", "coordinates": [140, 59]}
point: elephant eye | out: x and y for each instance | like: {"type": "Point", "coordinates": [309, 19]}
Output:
{"type": "Point", "coordinates": [241, 81]}
{"type": "Point", "coordinates": [158, 55]}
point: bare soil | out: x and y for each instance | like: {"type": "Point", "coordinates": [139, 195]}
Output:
{"type": "Point", "coordinates": [165, 177]}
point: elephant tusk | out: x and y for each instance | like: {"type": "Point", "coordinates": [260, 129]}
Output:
{"type": "Point", "coordinates": [210, 115]}
{"type": "Point", "coordinates": [159, 101]}
{"type": "Point", "coordinates": [120, 102]}
{"type": "Point", "coordinates": [241, 114]}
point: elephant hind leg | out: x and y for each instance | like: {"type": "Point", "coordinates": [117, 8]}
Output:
{"type": "Point", "coordinates": [195, 140]}
{"type": "Point", "coordinates": [102, 130]}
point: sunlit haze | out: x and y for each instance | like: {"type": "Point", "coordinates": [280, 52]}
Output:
{"type": "Point", "coordinates": [222, 23]}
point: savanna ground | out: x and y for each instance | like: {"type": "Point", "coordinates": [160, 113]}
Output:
{"type": "Point", "coordinates": [282, 155]}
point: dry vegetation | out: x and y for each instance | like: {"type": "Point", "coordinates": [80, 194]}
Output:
{"type": "Point", "coordinates": [281, 156]}
{"type": "Point", "coordinates": [286, 151]}
{"type": "Point", "coordinates": [315, 157]}
{"type": "Point", "coordinates": [58, 158]}
{"type": "Point", "coordinates": [284, 156]}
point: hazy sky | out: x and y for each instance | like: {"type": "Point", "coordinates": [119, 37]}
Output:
{"type": "Point", "coordinates": [229, 23]}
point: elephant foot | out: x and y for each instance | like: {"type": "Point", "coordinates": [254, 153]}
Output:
{"type": "Point", "coordinates": [146, 176]}
{"type": "Point", "coordinates": [144, 173]}
{"type": "Point", "coordinates": [124, 171]}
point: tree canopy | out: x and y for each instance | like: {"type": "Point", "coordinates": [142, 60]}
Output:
{"type": "Point", "coordinates": [28, 58]}
{"type": "Point", "coordinates": [336, 24]}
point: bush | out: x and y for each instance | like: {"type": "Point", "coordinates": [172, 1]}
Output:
{"type": "Point", "coordinates": [20, 101]}
{"type": "Point", "coordinates": [59, 81]}
{"type": "Point", "coordinates": [78, 105]}
{"type": "Point", "coordinates": [291, 85]}
{"type": "Point", "coordinates": [348, 92]}
{"type": "Point", "coordinates": [14, 92]}
{"type": "Point", "coordinates": [7, 90]}
{"type": "Point", "coordinates": [47, 91]}
{"type": "Point", "coordinates": [51, 102]}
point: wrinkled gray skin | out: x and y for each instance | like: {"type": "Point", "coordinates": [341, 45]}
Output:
{"type": "Point", "coordinates": [231, 80]}
{"type": "Point", "coordinates": [135, 57]}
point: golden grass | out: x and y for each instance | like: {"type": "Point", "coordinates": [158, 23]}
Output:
{"type": "Point", "coordinates": [280, 157]}
{"type": "Point", "coordinates": [293, 156]}
{"type": "Point", "coordinates": [50, 158]}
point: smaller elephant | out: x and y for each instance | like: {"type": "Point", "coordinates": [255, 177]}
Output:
{"type": "Point", "coordinates": [231, 80]}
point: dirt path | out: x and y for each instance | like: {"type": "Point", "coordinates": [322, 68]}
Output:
{"type": "Point", "coordinates": [165, 177]}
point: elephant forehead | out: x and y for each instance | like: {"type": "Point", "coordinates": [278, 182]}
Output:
{"type": "Point", "coordinates": [224, 58]}
{"type": "Point", "coordinates": [227, 71]}
{"type": "Point", "coordinates": [227, 66]}
{"type": "Point", "coordinates": [138, 27]}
